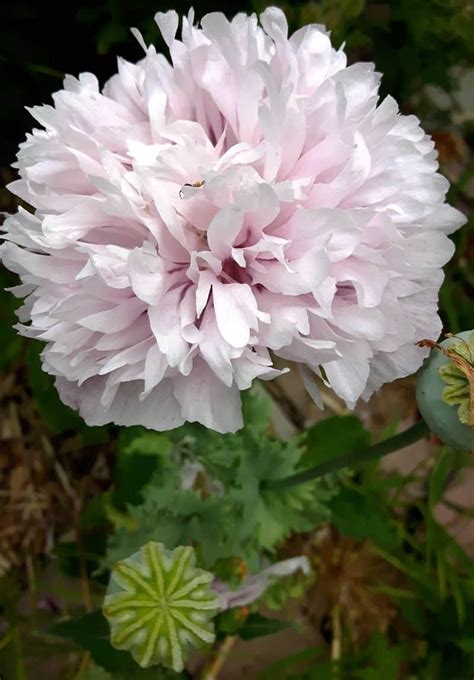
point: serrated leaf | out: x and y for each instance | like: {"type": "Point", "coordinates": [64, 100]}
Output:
{"type": "Point", "coordinates": [139, 455]}
{"type": "Point", "coordinates": [439, 476]}
{"type": "Point", "coordinates": [256, 410]}
{"type": "Point", "coordinates": [55, 414]}
{"type": "Point", "coordinates": [333, 437]}
{"type": "Point", "coordinates": [91, 633]}
{"type": "Point", "coordinates": [256, 625]}
{"type": "Point", "coordinates": [360, 516]}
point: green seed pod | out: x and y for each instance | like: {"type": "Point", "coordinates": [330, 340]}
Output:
{"type": "Point", "coordinates": [445, 389]}
{"type": "Point", "coordinates": [159, 604]}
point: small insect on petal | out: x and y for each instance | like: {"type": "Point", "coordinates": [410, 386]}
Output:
{"type": "Point", "coordinates": [194, 185]}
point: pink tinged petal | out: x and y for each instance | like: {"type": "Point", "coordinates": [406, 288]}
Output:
{"type": "Point", "coordinates": [110, 263]}
{"type": "Point", "coordinates": [337, 230]}
{"type": "Point", "coordinates": [203, 398]}
{"type": "Point", "coordinates": [159, 411]}
{"type": "Point", "coordinates": [131, 355]}
{"type": "Point", "coordinates": [156, 366]}
{"type": "Point", "coordinates": [436, 249]}
{"type": "Point", "coordinates": [88, 214]}
{"type": "Point", "coordinates": [236, 312]}
{"type": "Point", "coordinates": [267, 248]}
{"type": "Point", "coordinates": [315, 350]}
{"type": "Point", "coordinates": [116, 319]}
{"type": "Point", "coordinates": [309, 381]}
{"type": "Point", "coordinates": [135, 333]}
{"type": "Point", "coordinates": [357, 169]}
{"type": "Point", "coordinates": [168, 24]}
{"type": "Point", "coordinates": [218, 29]}
{"type": "Point", "coordinates": [223, 231]}
{"type": "Point", "coordinates": [69, 342]}
{"type": "Point", "coordinates": [325, 294]}
{"type": "Point", "coordinates": [325, 196]}
{"type": "Point", "coordinates": [170, 248]}
{"type": "Point", "coordinates": [294, 125]}
{"type": "Point", "coordinates": [217, 192]}
{"type": "Point", "coordinates": [215, 351]}
{"type": "Point", "coordinates": [445, 218]}
{"type": "Point", "coordinates": [147, 274]}
{"type": "Point", "coordinates": [74, 306]}
{"type": "Point", "coordinates": [369, 280]}
{"type": "Point", "coordinates": [305, 276]}
{"type": "Point", "coordinates": [51, 268]}
{"type": "Point", "coordinates": [203, 290]}
{"type": "Point", "coordinates": [293, 189]}
{"type": "Point", "coordinates": [195, 207]}
{"type": "Point", "coordinates": [359, 322]}
{"type": "Point", "coordinates": [263, 207]}
{"type": "Point", "coordinates": [188, 317]}
{"type": "Point", "coordinates": [240, 154]}
{"type": "Point", "coordinates": [24, 229]}
{"type": "Point", "coordinates": [174, 222]}
{"type": "Point", "coordinates": [165, 324]}
{"type": "Point", "coordinates": [326, 155]}
{"type": "Point", "coordinates": [348, 377]}
{"type": "Point", "coordinates": [252, 365]}
{"type": "Point", "coordinates": [111, 387]}
{"type": "Point", "coordinates": [274, 23]}
{"type": "Point", "coordinates": [238, 256]}
{"type": "Point", "coordinates": [288, 317]}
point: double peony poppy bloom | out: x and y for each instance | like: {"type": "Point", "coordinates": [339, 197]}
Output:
{"type": "Point", "coordinates": [253, 196]}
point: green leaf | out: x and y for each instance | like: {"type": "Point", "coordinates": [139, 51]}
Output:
{"type": "Point", "coordinates": [139, 455]}
{"type": "Point", "coordinates": [257, 625]}
{"type": "Point", "coordinates": [359, 515]}
{"type": "Point", "coordinates": [466, 645]}
{"type": "Point", "coordinates": [279, 669]}
{"type": "Point", "coordinates": [55, 414]}
{"type": "Point", "coordinates": [95, 672]}
{"type": "Point", "coordinates": [333, 437]}
{"type": "Point", "coordinates": [415, 615]}
{"type": "Point", "coordinates": [10, 342]}
{"type": "Point", "coordinates": [92, 634]}
{"type": "Point", "coordinates": [256, 410]}
{"type": "Point", "coordinates": [446, 626]}
{"type": "Point", "coordinates": [384, 660]}
{"type": "Point", "coordinates": [439, 476]}
{"type": "Point", "coordinates": [230, 512]}
{"type": "Point", "coordinates": [139, 440]}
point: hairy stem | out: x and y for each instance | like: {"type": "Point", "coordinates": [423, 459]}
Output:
{"type": "Point", "coordinates": [19, 662]}
{"type": "Point", "coordinates": [336, 643]}
{"type": "Point", "coordinates": [399, 441]}
{"type": "Point", "coordinates": [214, 667]}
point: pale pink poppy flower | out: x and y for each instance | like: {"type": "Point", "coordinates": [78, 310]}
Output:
{"type": "Point", "coordinates": [253, 196]}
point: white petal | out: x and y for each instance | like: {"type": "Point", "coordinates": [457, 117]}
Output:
{"type": "Point", "coordinates": [204, 398]}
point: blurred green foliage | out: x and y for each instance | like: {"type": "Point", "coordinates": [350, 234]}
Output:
{"type": "Point", "coordinates": [209, 490]}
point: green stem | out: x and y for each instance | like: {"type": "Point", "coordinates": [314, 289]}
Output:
{"type": "Point", "coordinates": [399, 441]}
{"type": "Point", "coordinates": [19, 662]}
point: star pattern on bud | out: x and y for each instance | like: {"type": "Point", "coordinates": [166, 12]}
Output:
{"type": "Point", "coordinates": [159, 604]}
{"type": "Point", "coordinates": [458, 375]}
